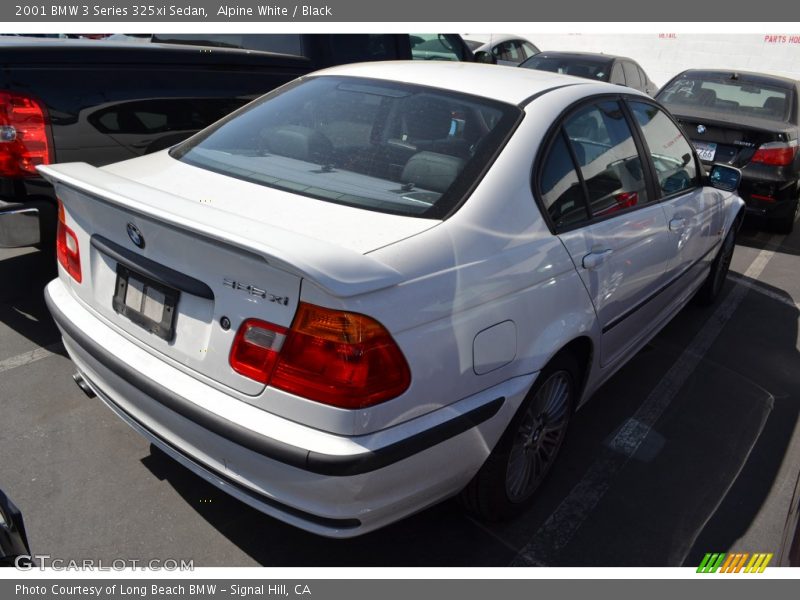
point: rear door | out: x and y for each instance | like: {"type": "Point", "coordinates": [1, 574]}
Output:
{"type": "Point", "coordinates": [595, 192]}
{"type": "Point", "coordinates": [694, 213]}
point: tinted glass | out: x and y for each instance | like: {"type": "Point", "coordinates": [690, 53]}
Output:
{"type": "Point", "coordinates": [379, 145]}
{"type": "Point", "coordinates": [561, 189]}
{"type": "Point", "coordinates": [529, 49]}
{"type": "Point", "coordinates": [283, 43]}
{"type": "Point", "coordinates": [608, 159]}
{"type": "Point", "coordinates": [671, 153]}
{"type": "Point", "coordinates": [726, 95]}
{"type": "Point", "coordinates": [579, 67]}
{"type": "Point", "coordinates": [510, 51]}
{"type": "Point", "coordinates": [435, 46]}
{"type": "Point", "coordinates": [362, 47]}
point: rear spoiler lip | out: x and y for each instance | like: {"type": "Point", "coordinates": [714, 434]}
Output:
{"type": "Point", "coordinates": [339, 271]}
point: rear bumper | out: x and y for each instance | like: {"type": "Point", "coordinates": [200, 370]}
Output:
{"type": "Point", "coordinates": [767, 191]}
{"type": "Point", "coordinates": [333, 485]}
{"type": "Point", "coordinates": [769, 198]}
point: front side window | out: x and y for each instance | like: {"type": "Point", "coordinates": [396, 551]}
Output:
{"type": "Point", "coordinates": [384, 146]}
{"type": "Point", "coordinates": [607, 157]}
{"type": "Point", "coordinates": [529, 49]}
{"type": "Point", "coordinates": [671, 154]}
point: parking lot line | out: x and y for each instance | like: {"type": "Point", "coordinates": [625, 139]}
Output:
{"type": "Point", "coordinates": [561, 526]}
{"type": "Point", "coordinates": [20, 360]}
{"type": "Point", "coordinates": [742, 280]}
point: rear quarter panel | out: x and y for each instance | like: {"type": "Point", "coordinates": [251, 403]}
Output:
{"type": "Point", "coordinates": [492, 262]}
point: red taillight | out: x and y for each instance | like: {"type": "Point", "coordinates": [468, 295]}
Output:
{"type": "Point", "coordinates": [24, 143]}
{"type": "Point", "coordinates": [339, 358]}
{"type": "Point", "coordinates": [255, 349]}
{"type": "Point", "coordinates": [762, 197]}
{"type": "Point", "coordinates": [775, 153]}
{"type": "Point", "coordinates": [67, 248]}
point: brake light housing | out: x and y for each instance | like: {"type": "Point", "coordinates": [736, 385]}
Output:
{"type": "Point", "coordinates": [67, 248]}
{"type": "Point", "coordinates": [778, 154]}
{"type": "Point", "coordinates": [339, 358]}
{"type": "Point", "coordinates": [24, 135]}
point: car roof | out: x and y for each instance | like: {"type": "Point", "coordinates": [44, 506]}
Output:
{"type": "Point", "coordinates": [506, 84]}
{"type": "Point", "coordinates": [743, 76]}
{"type": "Point", "coordinates": [592, 56]}
{"type": "Point", "coordinates": [499, 38]}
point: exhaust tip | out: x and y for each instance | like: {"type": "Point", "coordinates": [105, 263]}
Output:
{"type": "Point", "coordinates": [81, 382]}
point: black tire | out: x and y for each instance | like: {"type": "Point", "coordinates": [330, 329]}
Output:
{"type": "Point", "coordinates": [508, 480]}
{"type": "Point", "coordinates": [712, 286]}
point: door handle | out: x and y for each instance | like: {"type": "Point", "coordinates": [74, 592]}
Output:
{"type": "Point", "coordinates": [677, 224]}
{"type": "Point", "coordinates": [596, 258]}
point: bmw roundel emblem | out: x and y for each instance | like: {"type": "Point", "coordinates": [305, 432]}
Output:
{"type": "Point", "coordinates": [135, 235]}
{"type": "Point", "coordinates": [701, 129]}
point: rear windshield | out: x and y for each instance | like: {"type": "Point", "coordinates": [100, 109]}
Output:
{"type": "Point", "coordinates": [578, 67]}
{"type": "Point", "coordinates": [382, 146]}
{"type": "Point", "coordinates": [752, 99]}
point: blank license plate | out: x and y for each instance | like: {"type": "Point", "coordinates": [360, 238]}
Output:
{"type": "Point", "coordinates": [148, 303]}
{"type": "Point", "coordinates": [705, 150]}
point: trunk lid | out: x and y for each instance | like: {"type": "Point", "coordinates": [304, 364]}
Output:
{"type": "Point", "coordinates": [731, 139]}
{"type": "Point", "coordinates": [201, 265]}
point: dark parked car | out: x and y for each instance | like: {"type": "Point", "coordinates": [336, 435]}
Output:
{"type": "Point", "coordinates": [600, 67]}
{"type": "Point", "coordinates": [14, 548]}
{"type": "Point", "coordinates": [102, 102]}
{"type": "Point", "coordinates": [748, 120]}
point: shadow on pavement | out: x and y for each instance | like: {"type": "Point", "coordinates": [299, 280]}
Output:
{"type": "Point", "coordinates": [22, 307]}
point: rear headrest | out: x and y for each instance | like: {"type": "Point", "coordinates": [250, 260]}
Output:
{"type": "Point", "coordinates": [707, 97]}
{"type": "Point", "coordinates": [775, 105]}
{"type": "Point", "coordinates": [432, 171]}
{"type": "Point", "coordinates": [426, 118]}
{"type": "Point", "coordinates": [580, 71]}
{"type": "Point", "coordinates": [299, 142]}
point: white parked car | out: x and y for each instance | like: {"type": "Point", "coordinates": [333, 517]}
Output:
{"type": "Point", "coordinates": [505, 48]}
{"type": "Point", "coordinates": [385, 284]}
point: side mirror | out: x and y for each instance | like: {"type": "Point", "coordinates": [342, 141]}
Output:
{"type": "Point", "coordinates": [485, 57]}
{"type": "Point", "coordinates": [724, 177]}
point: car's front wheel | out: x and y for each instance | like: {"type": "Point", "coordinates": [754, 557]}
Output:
{"type": "Point", "coordinates": [528, 448]}
{"type": "Point", "coordinates": [712, 286]}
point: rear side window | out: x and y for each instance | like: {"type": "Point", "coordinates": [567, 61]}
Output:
{"type": "Point", "coordinates": [379, 145]}
{"type": "Point", "coordinates": [562, 193]}
{"type": "Point", "coordinates": [671, 154]}
{"type": "Point", "coordinates": [592, 168]}
{"type": "Point", "coordinates": [631, 75]}
{"type": "Point", "coordinates": [607, 158]}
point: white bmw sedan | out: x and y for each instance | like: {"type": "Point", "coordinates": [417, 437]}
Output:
{"type": "Point", "coordinates": [385, 284]}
